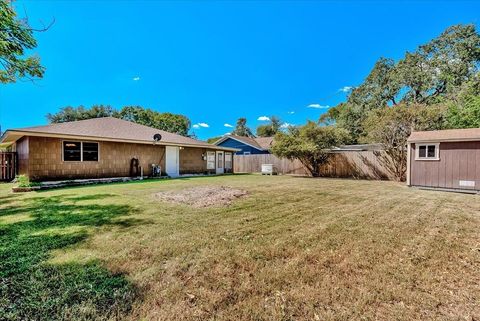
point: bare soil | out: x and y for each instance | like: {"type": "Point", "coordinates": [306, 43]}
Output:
{"type": "Point", "coordinates": [203, 196]}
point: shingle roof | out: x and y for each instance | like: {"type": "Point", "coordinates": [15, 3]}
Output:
{"type": "Point", "coordinates": [261, 143]}
{"type": "Point", "coordinates": [445, 135]}
{"type": "Point", "coordinates": [112, 128]}
{"type": "Point", "coordinates": [264, 142]}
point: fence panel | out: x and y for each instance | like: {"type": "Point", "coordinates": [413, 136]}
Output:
{"type": "Point", "coordinates": [348, 164]}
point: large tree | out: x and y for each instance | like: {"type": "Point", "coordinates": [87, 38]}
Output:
{"type": "Point", "coordinates": [271, 128]}
{"type": "Point", "coordinates": [174, 123]}
{"type": "Point", "coordinates": [241, 129]}
{"type": "Point", "coordinates": [391, 127]}
{"type": "Point", "coordinates": [433, 73]}
{"type": "Point", "coordinates": [16, 38]}
{"type": "Point", "coordinates": [310, 144]}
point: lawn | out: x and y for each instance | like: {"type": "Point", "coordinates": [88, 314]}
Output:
{"type": "Point", "coordinates": [292, 249]}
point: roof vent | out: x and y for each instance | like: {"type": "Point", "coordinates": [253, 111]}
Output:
{"type": "Point", "coordinates": [157, 137]}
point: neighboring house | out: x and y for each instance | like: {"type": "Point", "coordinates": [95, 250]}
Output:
{"type": "Point", "coordinates": [246, 145]}
{"type": "Point", "coordinates": [110, 147]}
{"type": "Point", "coordinates": [448, 159]}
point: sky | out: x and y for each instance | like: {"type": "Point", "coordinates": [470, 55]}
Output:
{"type": "Point", "coordinates": [216, 61]}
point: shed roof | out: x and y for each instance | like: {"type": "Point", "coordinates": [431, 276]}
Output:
{"type": "Point", "coordinates": [106, 128]}
{"type": "Point", "coordinates": [468, 134]}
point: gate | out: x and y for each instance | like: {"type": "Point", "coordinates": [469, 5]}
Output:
{"type": "Point", "coordinates": [8, 166]}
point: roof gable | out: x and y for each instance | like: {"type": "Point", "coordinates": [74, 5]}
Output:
{"type": "Point", "coordinates": [244, 140]}
{"type": "Point", "coordinates": [445, 135]}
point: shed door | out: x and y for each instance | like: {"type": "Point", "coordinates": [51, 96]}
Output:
{"type": "Point", "coordinates": [172, 161]}
{"type": "Point", "coordinates": [220, 165]}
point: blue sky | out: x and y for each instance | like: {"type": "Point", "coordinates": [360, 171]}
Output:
{"type": "Point", "coordinates": [217, 61]}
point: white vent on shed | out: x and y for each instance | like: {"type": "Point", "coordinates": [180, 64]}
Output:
{"type": "Point", "coordinates": [466, 183]}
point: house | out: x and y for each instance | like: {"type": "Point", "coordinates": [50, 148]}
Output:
{"type": "Point", "coordinates": [111, 147]}
{"type": "Point", "coordinates": [246, 145]}
{"type": "Point", "coordinates": [446, 159]}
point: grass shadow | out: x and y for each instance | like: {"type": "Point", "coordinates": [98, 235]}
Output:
{"type": "Point", "coordinates": [31, 288]}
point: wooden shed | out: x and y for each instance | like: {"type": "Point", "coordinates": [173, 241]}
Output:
{"type": "Point", "coordinates": [444, 159]}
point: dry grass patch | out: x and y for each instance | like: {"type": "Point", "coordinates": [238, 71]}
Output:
{"type": "Point", "coordinates": [294, 249]}
{"type": "Point", "coordinates": [202, 196]}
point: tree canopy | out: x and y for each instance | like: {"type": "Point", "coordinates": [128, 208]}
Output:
{"type": "Point", "coordinates": [241, 128]}
{"type": "Point", "coordinates": [270, 129]}
{"type": "Point", "coordinates": [174, 123]}
{"type": "Point", "coordinates": [309, 144]}
{"type": "Point", "coordinates": [16, 37]}
{"type": "Point", "coordinates": [435, 72]}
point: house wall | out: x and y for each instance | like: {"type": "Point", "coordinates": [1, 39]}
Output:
{"type": "Point", "coordinates": [44, 160]}
{"type": "Point", "coordinates": [192, 162]}
{"type": "Point", "coordinates": [232, 143]}
{"type": "Point", "coordinates": [459, 161]}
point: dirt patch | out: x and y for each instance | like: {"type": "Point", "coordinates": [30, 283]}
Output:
{"type": "Point", "coordinates": [203, 196]}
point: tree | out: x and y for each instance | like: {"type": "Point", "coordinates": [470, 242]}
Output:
{"type": "Point", "coordinates": [391, 127]}
{"type": "Point", "coordinates": [241, 129]}
{"type": "Point", "coordinates": [435, 72]}
{"type": "Point", "coordinates": [169, 122]}
{"type": "Point", "coordinates": [310, 144]}
{"type": "Point", "coordinates": [212, 140]}
{"type": "Point", "coordinates": [270, 129]}
{"type": "Point", "coordinates": [69, 113]}
{"type": "Point", "coordinates": [16, 37]}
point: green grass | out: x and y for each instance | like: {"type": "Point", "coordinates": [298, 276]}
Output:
{"type": "Point", "coordinates": [293, 249]}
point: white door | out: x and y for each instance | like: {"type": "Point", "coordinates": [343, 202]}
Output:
{"type": "Point", "coordinates": [172, 161]}
{"type": "Point", "coordinates": [220, 167]}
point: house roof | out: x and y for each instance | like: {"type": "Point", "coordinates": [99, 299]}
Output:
{"type": "Point", "coordinates": [358, 147]}
{"type": "Point", "coordinates": [106, 128]}
{"type": "Point", "coordinates": [260, 143]}
{"type": "Point", "coordinates": [469, 134]}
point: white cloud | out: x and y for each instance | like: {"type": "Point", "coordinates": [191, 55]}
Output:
{"type": "Point", "coordinates": [137, 78]}
{"type": "Point", "coordinates": [286, 125]}
{"type": "Point", "coordinates": [290, 112]}
{"type": "Point", "coordinates": [227, 125]}
{"type": "Point", "coordinates": [198, 125]}
{"type": "Point", "coordinates": [345, 89]}
{"type": "Point", "coordinates": [226, 134]}
{"type": "Point", "coordinates": [263, 118]}
{"type": "Point", "coordinates": [318, 106]}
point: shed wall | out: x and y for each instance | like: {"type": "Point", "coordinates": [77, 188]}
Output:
{"type": "Point", "coordinates": [459, 161]}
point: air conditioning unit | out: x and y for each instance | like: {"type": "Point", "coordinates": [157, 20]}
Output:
{"type": "Point", "coordinates": [269, 169]}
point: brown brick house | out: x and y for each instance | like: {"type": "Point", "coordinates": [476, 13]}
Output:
{"type": "Point", "coordinates": [111, 147]}
{"type": "Point", "coordinates": [446, 159]}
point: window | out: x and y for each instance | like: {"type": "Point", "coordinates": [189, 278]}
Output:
{"type": "Point", "coordinates": [80, 151]}
{"type": "Point", "coordinates": [90, 152]}
{"type": "Point", "coordinates": [210, 160]}
{"type": "Point", "coordinates": [220, 160]}
{"type": "Point", "coordinates": [427, 152]}
{"type": "Point", "coordinates": [228, 160]}
{"type": "Point", "coordinates": [246, 153]}
{"type": "Point", "coordinates": [72, 151]}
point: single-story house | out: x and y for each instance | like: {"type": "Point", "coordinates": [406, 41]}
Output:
{"type": "Point", "coordinates": [111, 147]}
{"type": "Point", "coordinates": [446, 159]}
{"type": "Point", "coordinates": [246, 145]}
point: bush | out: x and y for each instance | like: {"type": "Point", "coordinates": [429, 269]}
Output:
{"type": "Point", "coordinates": [24, 181]}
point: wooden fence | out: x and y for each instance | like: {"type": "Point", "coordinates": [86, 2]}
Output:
{"type": "Point", "coordinates": [367, 164]}
{"type": "Point", "coordinates": [8, 166]}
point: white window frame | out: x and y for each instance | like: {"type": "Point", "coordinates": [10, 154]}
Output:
{"type": "Point", "coordinates": [81, 150]}
{"type": "Point", "coordinates": [426, 158]}
{"type": "Point", "coordinates": [247, 153]}
{"type": "Point", "coordinates": [228, 159]}
{"type": "Point", "coordinates": [214, 162]}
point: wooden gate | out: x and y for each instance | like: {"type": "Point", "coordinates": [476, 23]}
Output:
{"type": "Point", "coordinates": [8, 166]}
